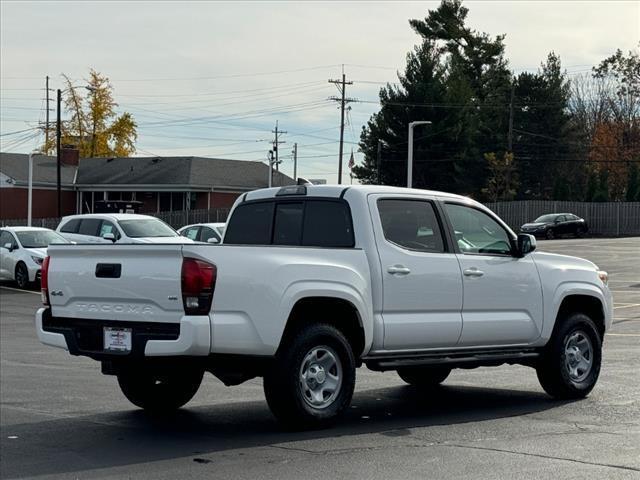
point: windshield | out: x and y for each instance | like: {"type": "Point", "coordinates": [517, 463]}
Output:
{"type": "Point", "coordinates": [147, 227]}
{"type": "Point", "coordinates": [546, 219]}
{"type": "Point", "coordinates": [39, 238]}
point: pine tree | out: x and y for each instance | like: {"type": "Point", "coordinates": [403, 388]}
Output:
{"type": "Point", "coordinates": [454, 78]}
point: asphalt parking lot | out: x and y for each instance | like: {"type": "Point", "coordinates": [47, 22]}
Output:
{"type": "Point", "coordinates": [60, 418]}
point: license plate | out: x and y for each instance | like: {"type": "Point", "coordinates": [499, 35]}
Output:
{"type": "Point", "coordinates": [117, 339]}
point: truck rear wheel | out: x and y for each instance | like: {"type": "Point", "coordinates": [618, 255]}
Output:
{"type": "Point", "coordinates": [312, 380]}
{"type": "Point", "coordinates": [160, 391]}
{"type": "Point", "coordinates": [570, 365]}
{"type": "Point", "coordinates": [424, 376]}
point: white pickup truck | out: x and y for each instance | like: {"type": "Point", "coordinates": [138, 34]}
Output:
{"type": "Point", "coordinates": [312, 282]}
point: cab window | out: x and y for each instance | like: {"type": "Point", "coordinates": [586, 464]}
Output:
{"type": "Point", "coordinates": [108, 227]}
{"type": "Point", "coordinates": [476, 232]}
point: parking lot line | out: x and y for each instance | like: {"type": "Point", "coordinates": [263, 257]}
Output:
{"type": "Point", "coordinates": [628, 305]}
{"type": "Point", "coordinates": [623, 334]}
{"type": "Point", "coordinates": [18, 290]}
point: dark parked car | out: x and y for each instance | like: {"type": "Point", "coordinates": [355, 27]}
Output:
{"type": "Point", "coordinates": [555, 225]}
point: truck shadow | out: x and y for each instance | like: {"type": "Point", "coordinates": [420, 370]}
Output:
{"type": "Point", "coordinates": [67, 445]}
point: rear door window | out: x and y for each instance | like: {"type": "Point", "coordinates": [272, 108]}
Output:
{"type": "Point", "coordinates": [89, 226]}
{"type": "Point", "coordinates": [71, 226]}
{"type": "Point", "coordinates": [250, 224]}
{"type": "Point", "coordinates": [191, 233]}
{"type": "Point", "coordinates": [208, 233]}
{"type": "Point", "coordinates": [411, 224]}
{"type": "Point", "coordinates": [327, 224]}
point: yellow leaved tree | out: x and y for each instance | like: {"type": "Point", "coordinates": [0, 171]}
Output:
{"type": "Point", "coordinates": [93, 125]}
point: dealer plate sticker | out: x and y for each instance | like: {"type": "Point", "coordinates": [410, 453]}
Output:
{"type": "Point", "coordinates": [117, 339]}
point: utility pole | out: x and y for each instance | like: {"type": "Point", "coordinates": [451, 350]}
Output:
{"type": "Point", "coordinates": [295, 162]}
{"type": "Point", "coordinates": [342, 86]}
{"type": "Point", "coordinates": [58, 148]}
{"type": "Point", "coordinates": [276, 142]}
{"type": "Point", "coordinates": [46, 125]}
{"type": "Point", "coordinates": [510, 137]}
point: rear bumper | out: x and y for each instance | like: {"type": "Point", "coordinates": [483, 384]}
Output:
{"type": "Point", "coordinates": [191, 337]}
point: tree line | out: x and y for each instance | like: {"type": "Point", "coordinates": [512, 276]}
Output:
{"type": "Point", "coordinates": [496, 135]}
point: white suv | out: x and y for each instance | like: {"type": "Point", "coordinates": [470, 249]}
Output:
{"type": "Point", "coordinates": [117, 228]}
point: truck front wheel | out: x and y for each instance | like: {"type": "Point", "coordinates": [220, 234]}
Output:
{"type": "Point", "coordinates": [424, 376]}
{"type": "Point", "coordinates": [312, 379]}
{"type": "Point", "coordinates": [160, 391]}
{"type": "Point", "coordinates": [570, 365]}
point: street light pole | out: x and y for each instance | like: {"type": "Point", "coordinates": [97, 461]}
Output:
{"type": "Point", "coordinates": [58, 152]}
{"type": "Point", "coordinates": [30, 190]}
{"type": "Point", "coordinates": [410, 159]}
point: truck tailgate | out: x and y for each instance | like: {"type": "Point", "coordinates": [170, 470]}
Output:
{"type": "Point", "coordinates": [116, 282]}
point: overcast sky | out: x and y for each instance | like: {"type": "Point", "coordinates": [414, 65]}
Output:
{"type": "Point", "coordinates": [212, 78]}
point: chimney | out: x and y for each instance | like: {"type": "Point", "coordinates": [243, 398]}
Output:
{"type": "Point", "coordinates": [69, 155]}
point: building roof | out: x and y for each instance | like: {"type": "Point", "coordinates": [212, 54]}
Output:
{"type": "Point", "coordinates": [183, 171]}
{"type": "Point", "coordinates": [153, 172]}
{"type": "Point", "coordinates": [16, 167]}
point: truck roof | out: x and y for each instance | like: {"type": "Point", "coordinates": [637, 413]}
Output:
{"type": "Point", "coordinates": [336, 191]}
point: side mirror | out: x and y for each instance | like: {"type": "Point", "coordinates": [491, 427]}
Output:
{"type": "Point", "coordinates": [213, 240]}
{"type": "Point", "coordinates": [8, 246]}
{"type": "Point", "coordinates": [109, 236]}
{"type": "Point", "coordinates": [526, 244]}
{"type": "Point", "coordinates": [557, 220]}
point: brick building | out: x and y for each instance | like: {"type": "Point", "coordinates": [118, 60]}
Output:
{"type": "Point", "coordinates": [162, 184]}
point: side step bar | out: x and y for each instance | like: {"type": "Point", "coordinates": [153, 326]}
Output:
{"type": "Point", "coordinates": [470, 359]}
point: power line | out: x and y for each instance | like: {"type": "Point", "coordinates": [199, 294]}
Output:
{"type": "Point", "coordinates": [233, 75]}
{"type": "Point", "coordinates": [18, 131]}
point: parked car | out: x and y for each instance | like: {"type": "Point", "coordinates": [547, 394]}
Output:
{"type": "Point", "coordinates": [203, 232]}
{"type": "Point", "coordinates": [554, 225]}
{"type": "Point", "coordinates": [312, 282]}
{"type": "Point", "coordinates": [22, 250]}
{"type": "Point", "coordinates": [117, 228]}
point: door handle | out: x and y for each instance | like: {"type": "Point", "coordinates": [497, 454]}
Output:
{"type": "Point", "coordinates": [398, 270]}
{"type": "Point", "coordinates": [473, 272]}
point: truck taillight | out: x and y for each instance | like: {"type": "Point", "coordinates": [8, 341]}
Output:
{"type": "Point", "coordinates": [198, 283]}
{"type": "Point", "coordinates": [44, 281]}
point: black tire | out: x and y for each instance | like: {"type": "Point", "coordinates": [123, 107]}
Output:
{"type": "Point", "coordinates": [22, 276]}
{"type": "Point", "coordinates": [160, 391]}
{"type": "Point", "coordinates": [579, 233]}
{"type": "Point", "coordinates": [554, 367]}
{"type": "Point", "coordinates": [550, 234]}
{"type": "Point", "coordinates": [285, 390]}
{"type": "Point", "coordinates": [424, 376]}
